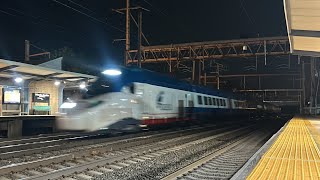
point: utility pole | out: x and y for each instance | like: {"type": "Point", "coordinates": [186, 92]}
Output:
{"type": "Point", "coordinates": [139, 37]}
{"type": "Point", "coordinates": [27, 54]}
{"type": "Point", "coordinates": [26, 50]}
{"type": "Point", "coordinates": [127, 33]}
{"type": "Point", "coordinates": [139, 25]}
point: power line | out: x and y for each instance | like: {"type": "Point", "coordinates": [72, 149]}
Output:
{"type": "Point", "coordinates": [95, 19]}
{"type": "Point", "coordinates": [7, 13]}
{"type": "Point", "coordinates": [43, 23]}
{"type": "Point", "coordinates": [80, 6]}
{"type": "Point", "coordinates": [157, 9]}
{"type": "Point", "coordinates": [252, 21]}
{"type": "Point", "coordinates": [244, 9]}
{"type": "Point", "coordinates": [41, 20]}
{"type": "Point", "coordinates": [135, 22]}
{"type": "Point", "coordinates": [37, 47]}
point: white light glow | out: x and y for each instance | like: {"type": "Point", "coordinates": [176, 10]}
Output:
{"type": "Point", "coordinates": [18, 80]}
{"type": "Point", "coordinates": [57, 83]}
{"type": "Point", "coordinates": [82, 86]}
{"type": "Point", "coordinates": [112, 72]}
{"type": "Point", "coordinates": [68, 105]}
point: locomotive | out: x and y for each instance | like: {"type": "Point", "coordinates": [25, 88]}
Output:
{"type": "Point", "coordinates": [134, 98]}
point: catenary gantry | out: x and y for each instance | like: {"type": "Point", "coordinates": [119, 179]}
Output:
{"type": "Point", "coordinates": [212, 50]}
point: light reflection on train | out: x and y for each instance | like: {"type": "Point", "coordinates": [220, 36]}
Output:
{"type": "Point", "coordinates": [132, 98]}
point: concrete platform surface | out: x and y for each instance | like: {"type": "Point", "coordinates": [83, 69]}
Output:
{"type": "Point", "coordinates": [295, 153]}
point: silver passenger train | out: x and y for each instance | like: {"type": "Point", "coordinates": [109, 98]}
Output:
{"type": "Point", "coordinates": [132, 98]}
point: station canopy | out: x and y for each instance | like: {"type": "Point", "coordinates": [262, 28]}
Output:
{"type": "Point", "coordinates": [12, 69]}
{"type": "Point", "coordinates": [303, 23]}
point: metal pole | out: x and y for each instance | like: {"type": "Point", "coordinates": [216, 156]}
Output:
{"type": "Point", "coordinates": [218, 77]}
{"type": "Point", "coordinates": [27, 50]}
{"type": "Point", "coordinates": [289, 62]}
{"type": "Point", "coordinates": [256, 63]}
{"type": "Point", "coordinates": [170, 63]}
{"type": "Point", "coordinates": [193, 70]}
{"type": "Point", "coordinates": [127, 33]}
{"type": "Point", "coordinates": [313, 84]}
{"type": "Point", "coordinates": [265, 52]}
{"type": "Point", "coordinates": [303, 85]}
{"type": "Point", "coordinates": [199, 72]}
{"type": "Point", "coordinates": [139, 37]}
{"type": "Point", "coordinates": [205, 79]}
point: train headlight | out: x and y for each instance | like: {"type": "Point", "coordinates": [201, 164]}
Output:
{"type": "Point", "coordinates": [112, 72]}
{"type": "Point", "coordinates": [68, 105]}
{"type": "Point", "coordinates": [134, 101]}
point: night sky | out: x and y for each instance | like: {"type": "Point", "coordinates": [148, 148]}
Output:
{"type": "Point", "coordinates": [50, 25]}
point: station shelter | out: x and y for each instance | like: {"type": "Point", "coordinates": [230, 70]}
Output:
{"type": "Point", "coordinates": [27, 89]}
{"type": "Point", "coordinates": [31, 96]}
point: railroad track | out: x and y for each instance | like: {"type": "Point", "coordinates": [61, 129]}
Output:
{"type": "Point", "coordinates": [34, 142]}
{"type": "Point", "coordinates": [99, 161]}
{"type": "Point", "coordinates": [224, 163]}
{"type": "Point", "coordinates": [36, 147]}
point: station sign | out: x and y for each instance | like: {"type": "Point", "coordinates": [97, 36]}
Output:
{"type": "Point", "coordinates": [11, 96]}
{"type": "Point", "coordinates": [40, 97]}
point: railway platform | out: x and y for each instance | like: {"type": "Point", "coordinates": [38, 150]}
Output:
{"type": "Point", "coordinates": [293, 153]}
{"type": "Point", "coordinates": [16, 126]}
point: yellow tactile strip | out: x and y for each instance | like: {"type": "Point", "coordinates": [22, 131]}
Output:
{"type": "Point", "coordinates": [294, 155]}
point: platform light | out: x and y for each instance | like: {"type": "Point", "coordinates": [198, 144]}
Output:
{"type": "Point", "coordinates": [68, 105]}
{"type": "Point", "coordinates": [18, 80]}
{"type": "Point", "coordinates": [244, 48]}
{"type": "Point", "coordinates": [82, 85]}
{"type": "Point", "coordinates": [112, 72]}
{"type": "Point", "coordinates": [57, 83]}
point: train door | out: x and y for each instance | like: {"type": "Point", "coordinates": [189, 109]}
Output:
{"type": "Point", "coordinates": [229, 100]}
{"type": "Point", "coordinates": [181, 108]}
{"type": "Point", "coordinates": [190, 105]}
{"type": "Point", "coordinates": [189, 101]}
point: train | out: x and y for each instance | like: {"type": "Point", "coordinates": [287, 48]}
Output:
{"type": "Point", "coordinates": [130, 99]}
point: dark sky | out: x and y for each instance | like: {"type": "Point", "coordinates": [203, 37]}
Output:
{"type": "Point", "coordinates": [50, 25]}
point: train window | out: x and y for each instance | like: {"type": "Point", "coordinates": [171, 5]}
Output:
{"type": "Point", "coordinates": [210, 101]}
{"type": "Point", "coordinates": [94, 104]}
{"type": "Point", "coordinates": [132, 89]}
{"type": "Point", "coordinates": [205, 100]}
{"type": "Point", "coordinates": [200, 100]}
{"type": "Point", "coordinates": [214, 101]}
{"type": "Point", "coordinates": [224, 102]}
{"type": "Point", "coordinates": [218, 102]}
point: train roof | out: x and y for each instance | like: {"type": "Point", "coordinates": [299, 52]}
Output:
{"type": "Point", "coordinates": [133, 74]}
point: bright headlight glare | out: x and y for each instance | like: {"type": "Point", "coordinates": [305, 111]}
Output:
{"type": "Point", "coordinates": [82, 86]}
{"type": "Point", "coordinates": [112, 72]}
{"type": "Point", "coordinates": [68, 105]}
{"type": "Point", "coordinates": [57, 83]}
{"type": "Point", "coordinates": [18, 80]}
{"type": "Point", "coordinates": [134, 101]}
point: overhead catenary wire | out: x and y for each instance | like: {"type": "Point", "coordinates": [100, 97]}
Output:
{"type": "Point", "coordinates": [252, 21]}
{"type": "Point", "coordinates": [89, 16]}
{"type": "Point", "coordinates": [42, 23]}
{"type": "Point", "coordinates": [81, 6]}
{"type": "Point", "coordinates": [38, 47]}
{"type": "Point", "coordinates": [5, 12]}
{"type": "Point", "coordinates": [157, 9]}
{"type": "Point", "coordinates": [245, 11]}
{"type": "Point", "coordinates": [135, 22]}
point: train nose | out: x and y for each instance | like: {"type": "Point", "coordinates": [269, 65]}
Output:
{"type": "Point", "coordinates": [69, 123]}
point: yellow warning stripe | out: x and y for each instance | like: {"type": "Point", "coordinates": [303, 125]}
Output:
{"type": "Point", "coordinates": [294, 155]}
